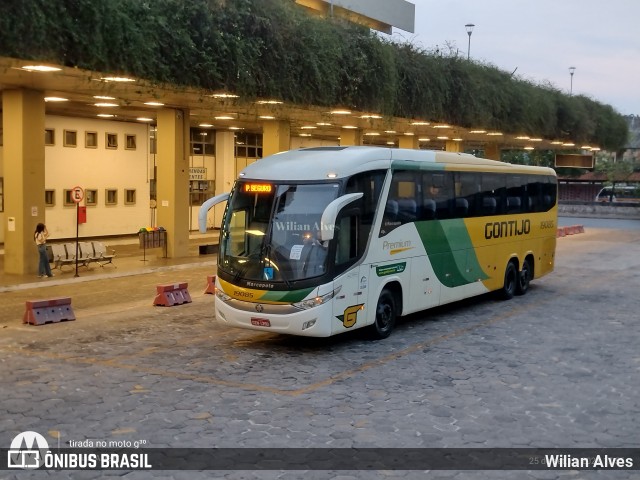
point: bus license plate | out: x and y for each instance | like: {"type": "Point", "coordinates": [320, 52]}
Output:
{"type": "Point", "coordinates": [260, 322]}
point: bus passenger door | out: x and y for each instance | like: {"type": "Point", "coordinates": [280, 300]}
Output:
{"type": "Point", "coordinates": [349, 302]}
{"type": "Point", "coordinates": [352, 283]}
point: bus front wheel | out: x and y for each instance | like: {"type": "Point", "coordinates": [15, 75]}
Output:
{"type": "Point", "coordinates": [385, 316]}
{"type": "Point", "coordinates": [510, 282]}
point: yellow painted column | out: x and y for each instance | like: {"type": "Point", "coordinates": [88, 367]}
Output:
{"type": "Point", "coordinates": [225, 171]}
{"type": "Point", "coordinates": [492, 151]}
{"type": "Point", "coordinates": [173, 179]}
{"type": "Point", "coordinates": [350, 137]}
{"type": "Point", "coordinates": [409, 141]}
{"type": "Point", "coordinates": [276, 137]}
{"type": "Point", "coordinates": [453, 146]}
{"type": "Point", "coordinates": [24, 179]}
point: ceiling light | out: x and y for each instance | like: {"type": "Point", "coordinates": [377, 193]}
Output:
{"type": "Point", "coordinates": [154, 104]}
{"type": "Point", "coordinates": [55, 99]}
{"type": "Point", "coordinates": [323, 124]}
{"type": "Point", "coordinates": [144, 119]}
{"type": "Point", "coordinates": [40, 68]}
{"type": "Point", "coordinates": [568, 144]}
{"type": "Point", "coordinates": [391, 143]}
{"type": "Point", "coordinates": [267, 117]}
{"type": "Point", "coordinates": [422, 123]}
{"type": "Point", "coordinates": [225, 117]}
{"type": "Point", "coordinates": [305, 134]}
{"type": "Point", "coordinates": [372, 134]}
{"type": "Point", "coordinates": [106, 115]}
{"type": "Point", "coordinates": [585, 147]}
{"type": "Point", "coordinates": [352, 127]}
{"type": "Point", "coordinates": [224, 95]}
{"type": "Point", "coordinates": [205, 125]}
{"type": "Point", "coordinates": [528, 148]}
{"type": "Point", "coordinates": [118, 79]}
{"type": "Point", "coordinates": [389, 131]}
{"type": "Point", "coordinates": [340, 112]}
{"type": "Point", "coordinates": [308, 127]}
{"type": "Point", "coordinates": [556, 142]}
{"type": "Point", "coordinates": [424, 139]}
{"type": "Point", "coordinates": [102, 104]}
{"type": "Point", "coordinates": [522, 137]}
{"type": "Point", "coordinates": [442, 126]}
{"type": "Point", "coordinates": [536, 139]}
{"type": "Point", "coordinates": [269, 102]}
{"type": "Point", "coordinates": [457, 139]}
{"type": "Point", "coordinates": [235, 128]}
{"type": "Point", "coordinates": [103, 97]}
{"type": "Point", "coordinates": [408, 134]}
{"type": "Point", "coordinates": [370, 116]}
{"type": "Point", "coordinates": [443, 138]}
{"type": "Point", "coordinates": [478, 131]}
{"type": "Point", "coordinates": [494, 134]}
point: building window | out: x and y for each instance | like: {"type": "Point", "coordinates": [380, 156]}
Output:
{"type": "Point", "coordinates": [130, 141]}
{"type": "Point", "coordinates": [49, 136]}
{"type": "Point", "coordinates": [91, 196]}
{"type": "Point", "coordinates": [68, 198]}
{"type": "Point", "coordinates": [111, 196]}
{"type": "Point", "coordinates": [111, 140]}
{"type": "Point", "coordinates": [199, 191]}
{"type": "Point", "coordinates": [49, 198]}
{"type": "Point", "coordinates": [70, 138]}
{"type": "Point", "coordinates": [202, 141]}
{"type": "Point", "coordinates": [91, 139]}
{"type": "Point", "coordinates": [129, 196]}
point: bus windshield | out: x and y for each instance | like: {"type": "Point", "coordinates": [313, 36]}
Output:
{"type": "Point", "coordinates": [270, 231]}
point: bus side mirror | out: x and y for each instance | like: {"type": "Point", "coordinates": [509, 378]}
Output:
{"type": "Point", "coordinates": [328, 219]}
{"type": "Point", "coordinates": [208, 205]}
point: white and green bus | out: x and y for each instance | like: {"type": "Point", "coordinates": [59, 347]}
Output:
{"type": "Point", "coordinates": [321, 241]}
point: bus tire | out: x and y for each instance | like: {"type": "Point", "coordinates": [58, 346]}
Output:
{"type": "Point", "coordinates": [524, 277]}
{"type": "Point", "coordinates": [510, 281]}
{"type": "Point", "coordinates": [385, 320]}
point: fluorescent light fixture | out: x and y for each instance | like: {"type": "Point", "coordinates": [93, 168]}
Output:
{"type": "Point", "coordinates": [106, 115]}
{"type": "Point", "coordinates": [154, 104]}
{"type": "Point", "coordinates": [340, 112]}
{"type": "Point", "coordinates": [267, 117]}
{"type": "Point", "coordinates": [373, 115]}
{"type": "Point", "coordinates": [536, 139]}
{"type": "Point", "coordinates": [389, 131]}
{"type": "Point", "coordinates": [528, 148]}
{"type": "Point", "coordinates": [105, 104]}
{"type": "Point", "coordinates": [225, 117]}
{"type": "Point", "coordinates": [409, 134]}
{"type": "Point", "coordinates": [522, 137]}
{"type": "Point", "coordinates": [224, 95]}
{"type": "Point", "coordinates": [308, 127]}
{"type": "Point", "coordinates": [585, 147]}
{"type": "Point", "coordinates": [421, 123]}
{"type": "Point", "coordinates": [205, 125]}
{"type": "Point", "coordinates": [556, 142]}
{"type": "Point", "coordinates": [103, 97]}
{"type": "Point", "coordinates": [305, 134]}
{"type": "Point", "coordinates": [443, 138]}
{"type": "Point", "coordinates": [477, 131]}
{"type": "Point", "coordinates": [323, 124]}
{"type": "Point", "coordinates": [372, 134]}
{"type": "Point", "coordinates": [40, 68]}
{"type": "Point", "coordinates": [568, 144]}
{"type": "Point", "coordinates": [443, 125]}
{"type": "Point", "coordinates": [391, 143]}
{"type": "Point", "coordinates": [55, 99]}
{"type": "Point", "coordinates": [350, 127]}
{"type": "Point", "coordinates": [494, 134]}
{"type": "Point", "coordinates": [457, 139]}
{"type": "Point", "coordinates": [236, 128]}
{"type": "Point", "coordinates": [424, 139]}
{"type": "Point", "coordinates": [269, 102]}
{"type": "Point", "coordinates": [118, 79]}
{"type": "Point", "coordinates": [144, 119]}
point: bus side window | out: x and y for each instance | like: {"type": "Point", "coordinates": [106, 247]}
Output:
{"type": "Point", "coordinates": [347, 242]}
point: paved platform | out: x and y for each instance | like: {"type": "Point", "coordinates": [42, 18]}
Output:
{"type": "Point", "coordinates": [130, 260]}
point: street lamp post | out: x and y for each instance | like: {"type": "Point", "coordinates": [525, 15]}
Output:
{"type": "Point", "coordinates": [571, 72]}
{"type": "Point", "coordinates": [469, 27]}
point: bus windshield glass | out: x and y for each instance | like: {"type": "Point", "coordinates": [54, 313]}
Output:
{"type": "Point", "coordinates": [270, 231]}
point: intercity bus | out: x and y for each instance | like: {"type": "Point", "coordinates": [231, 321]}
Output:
{"type": "Point", "coordinates": [321, 241]}
{"type": "Point", "coordinates": [619, 193]}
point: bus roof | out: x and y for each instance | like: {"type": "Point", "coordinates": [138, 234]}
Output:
{"type": "Point", "coordinates": [321, 163]}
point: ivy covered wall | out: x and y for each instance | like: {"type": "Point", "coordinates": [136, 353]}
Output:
{"type": "Point", "coordinates": [271, 48]}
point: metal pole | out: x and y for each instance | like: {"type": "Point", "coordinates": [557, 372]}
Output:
{"type": "Point", "coordinates": [77, 234]}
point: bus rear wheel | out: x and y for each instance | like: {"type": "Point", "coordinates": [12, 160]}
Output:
{"type": "Point", "coordinates": [510, 282]}
{"type": "Point", "coordinates": [385, 316]}
{"type": "Point", "coordinates": [524, 278]}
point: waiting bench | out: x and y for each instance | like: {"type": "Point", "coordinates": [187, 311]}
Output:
{"type": "Point", "coordinates": [88, 252]}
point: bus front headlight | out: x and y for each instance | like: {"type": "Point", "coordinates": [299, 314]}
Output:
{"type": "Point", "coordinates": [221, 295]}
{"type": "Point", "coordinates": [315, 301]}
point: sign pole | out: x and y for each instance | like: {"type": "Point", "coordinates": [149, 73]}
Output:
{"type": "Point", "coordinates": [77, 234]}
{"type": "Point", "coordinates": [77, 194]}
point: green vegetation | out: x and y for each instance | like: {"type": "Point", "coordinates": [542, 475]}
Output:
{"type": "Point", "coordinates": [272, 49]}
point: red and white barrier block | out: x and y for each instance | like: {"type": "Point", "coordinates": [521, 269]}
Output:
{"type": "Point", "coordinates": [170, 295]}
{"type": "Point", "coordinates": [211, 285]}
{"type": "Point", "coordinates": [39, 312]}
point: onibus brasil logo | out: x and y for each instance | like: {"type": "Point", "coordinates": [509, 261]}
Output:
{"type": "Point", "coordinates": [27, 451]}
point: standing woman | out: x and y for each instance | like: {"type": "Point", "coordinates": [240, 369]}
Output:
{"type": "Point", "coordinates": [40, 236]}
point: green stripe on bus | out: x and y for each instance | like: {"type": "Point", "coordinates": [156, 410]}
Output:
{"type": "Point", "coordinates": [286, 297]}
{"type": "Point", "coordinates": [411, 165]}
{"type": "Point", "coordinates": [450, 251]}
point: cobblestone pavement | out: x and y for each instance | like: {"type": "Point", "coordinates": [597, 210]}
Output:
{"type": "Point", "coordinates": [558, 367]}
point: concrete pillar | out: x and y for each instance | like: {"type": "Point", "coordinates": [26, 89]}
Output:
{"type": "Point", "coordinates": [24, 179]}
{"type": "Point", "coordinates": [453, 146]}
{"type": "Point", "coordinates": [492, 151]}
{"type": "Point", "coordinates": [225, 171]}
{"type": "Point", "coordinates": [409, 141]}
{"type": "Point", "coordinates": [276, 137]}
{"type": "Point", "coordinates": [350, 137]}
{"type": "Point", "coordinates": [173, 179]}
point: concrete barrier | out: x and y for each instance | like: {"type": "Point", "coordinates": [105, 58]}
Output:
{"type": "Point", "coordinates": [39, 312]}
{"type": "Point", "coordinates": [173, 294]}
{"type": "Point", "coordinates": [211, 285]}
